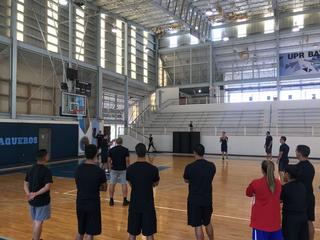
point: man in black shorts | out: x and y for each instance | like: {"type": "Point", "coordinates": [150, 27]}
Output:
{"type": "Point", "coordinates": [268, 146]}
{"type": "Point", "coordinates": [37, 186]}
{"type": "Point", "coordinates": [142, 177]}
{"type": "Point", "coordinates": [294, 210]}
{"type": "Point", "coordinates": [199, 175]}
{"type": "Point", "coordinates": [306, 174]}
{"type": "Point", "coordinates": [283, 158]}
{"type": "Point", "coordinates": [90, 180]}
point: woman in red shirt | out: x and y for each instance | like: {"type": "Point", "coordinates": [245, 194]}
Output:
{"type": "Point", "coordinates": [265, 215]}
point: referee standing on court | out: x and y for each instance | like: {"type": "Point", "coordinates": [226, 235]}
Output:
{"type": "Point", "coordinates": [118, 161]}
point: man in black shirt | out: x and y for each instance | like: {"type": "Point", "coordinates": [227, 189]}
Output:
{"type": "Point", "coordinates": [199, 175]}
{"type": "Point", "coordinates": [37, 186]}
{"type": "Point", "coordinates": [90, 179]}
{"type": "Point", "coordinates": [142, 176]}
{"type": "Point", "coordinates": [283, 158]}
{"type": "Point", "coordinates": [294, 210]}
{"type": "Point", "coordinates": [118, 161]}
{"type": "Point", "coordinates": [268, 146]}
{"type": "Point", "coordinates": [191, 126]}
{"type": "Point", "coordinates": [99, 138]}
{"type": "Point", "coordinates": [151, 143]}
{"type": "Point", "coordinates": [306, 174]}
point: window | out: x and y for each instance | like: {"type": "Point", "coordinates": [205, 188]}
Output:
{"type": "Point", "coordinates": [217, 32]}
{"type": "Point", "coordinates": [145, 56]}
{"type": "Point", "coordinates": [103, 40]}
{"type": "Point", "coordinates": [133, 51]}
{"type": "Point", "coordinates": [298, 20]}
{"type": "Point", "coordinates": [119, 54]}
{"type": "Point", "coordinates": [52, 25]}
{"type": "Point", "coordinates": [173, 41]}
{"type": "Point", "coordinates": [269, 24]}
{"type": "Point", "coordinates": [242, 30]}
{"type": "Point", "coordinates": [20, 20]}
{"type": "Point", "coordinates": [80, 34]}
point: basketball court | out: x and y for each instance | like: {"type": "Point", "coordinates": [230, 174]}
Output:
{"type": "Point", "coordinates": [231, 206]}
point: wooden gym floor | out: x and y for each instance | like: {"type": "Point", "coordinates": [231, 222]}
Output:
{"type": "Point", "coordinates": [231, 206]}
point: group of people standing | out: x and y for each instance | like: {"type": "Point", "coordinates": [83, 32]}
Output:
{"type": "Point", "coordinates": [298, 211]}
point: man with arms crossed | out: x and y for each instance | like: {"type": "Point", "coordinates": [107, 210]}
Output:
{"type": "Point", "coordinates": [37, 186]}
{"type": "Point", "coordinates": [283, 158]}
{"type": "Point", "coordinates": [90, 179]}
{"type": "Point", "coordinates": [118, 161]}
{"type": "Point", "coordinates": [306, 174]}
{"type": "Point", "coordinates": [142, 176]}
{"type": "Point", "coordinates": [199, 174]}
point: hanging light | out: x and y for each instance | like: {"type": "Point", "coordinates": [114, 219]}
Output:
{"type": "Point", "coordinates": [225, 39]}
{"type": "Point", "coordinates": [63, 2]}
{"type": "Point", "coordinates": [296, 29]}
{"type": "Point", "coordinates": [114, 30]}
{"type": "Point", "coordinates": [209, 12]}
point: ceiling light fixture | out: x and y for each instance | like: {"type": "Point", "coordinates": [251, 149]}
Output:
{"type": "Point", "coordinates": [209, 12]}
{"type": "Point", "coordinates": [225, 39]}
{"type": "Point", "coordinates": [63, 2]}
{"type": "Point", "coordinates": [114, 30]}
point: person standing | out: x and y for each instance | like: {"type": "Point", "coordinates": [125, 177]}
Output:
{"type": "Point", "coordinates": [191, 126]}
{"type": "Point", "coordinates": [142, 177]}
{"type": "Point", "coordinates": [90, 179]}
{"type": "Point", "coordinates": [199, 175]}
{"type": "Point", "coordinates": [99, 138]}
{"type": "Point", "coordinates": [306, 174]}
{"type": "Point", "coordinates": [268, 145]}
{"type": "Point", "coordinates": [224, 145]}
{"type": "Point", "coordinates": [118, 161]}
{"type": "Point", "coordinates": [283, 158]}
{"type": "Point", "coordinates": [37, 186]}
{"type": "Point", "coordinates": [151, 143]}
{"type": "Point", "coordinates": [265, 214]}
{"type": "Point", "coordinates": [104, 150]}
{"type": "Point", "coordinates": [294, 210]}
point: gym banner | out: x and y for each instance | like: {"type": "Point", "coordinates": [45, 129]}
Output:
{"type": "Point", "coordinates": [299, 63]}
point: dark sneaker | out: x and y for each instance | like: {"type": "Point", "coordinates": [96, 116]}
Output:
{"type": "Point", "coordinates": [111, 203]}
{"type": "Point", "coordinates": [125, 202]}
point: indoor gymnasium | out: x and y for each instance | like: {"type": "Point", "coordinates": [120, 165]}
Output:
{"type": "Point", "coordinates": [159, 119]}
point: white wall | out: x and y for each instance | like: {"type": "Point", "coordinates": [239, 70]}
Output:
{"type": "Point", "coordinates": [238, 145]}
{"type": "Point", "coordinates": [167, 94]}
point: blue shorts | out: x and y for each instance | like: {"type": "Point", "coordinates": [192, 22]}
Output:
{"type": "Point", "coordinates": [40, 213]}
{"type": "Point", "coordinates": [262, 235]}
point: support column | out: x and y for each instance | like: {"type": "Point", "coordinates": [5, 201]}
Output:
{"type": "Point", "coordinates": [99, 114]}
{"type": "Point", "coordinates": [126, 87]}
{"type": "Point", "coordinates": [13, 61]}
{"type": "Point", "coordinates": [126, 105]}
{"type": "Point", "coordinates": [276, 13]}
{"type": "Point", "coordinates": [210, 74]}
{"type": "Point", "coordinates": [70, 48]}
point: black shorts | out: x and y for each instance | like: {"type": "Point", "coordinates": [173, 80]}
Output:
{"type": "Point", "coordinates": [295, 227]}
{"type": "Point", "coordinates": [145, 222]}
{"type": "Point", "coordinates": [268, 150]}
{"type": "Point", "coordinates": [282, 165]}
{"type": "Point", "coordinates": [89, 218]}
{"type": "Point", "coordinates": [224, 148]}
{"type": "Point", "coordinates": [311, 208]}
{"type": "Point", "coordinates": [199, 215]}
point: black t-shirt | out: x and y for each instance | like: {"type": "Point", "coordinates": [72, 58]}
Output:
{"type": "Point", "coordinates": [200, 175]}
{"type": "Point", "coordinates": [142, 176]}
{"type": "Point", "coordinates": [284, 148]}
{"type": "Point", "coordinates": [268, 141]}
{"type": "Point", "coordinates": [89, 178]}
{"type": "Point", "coordinates": [99, 138]}
{"type": "Point", "coordinates": [150, 140]}
{"type": "Point", "coordinates": [37, 177]}
{"type": "Point", "coordinates": [306, 174]}
{"type": "Point", "coordinates": [294, 199]}
{"type": "Point", "coordinates": [118, 156]}
{"type": "Point", "coordinates": [224, 141]}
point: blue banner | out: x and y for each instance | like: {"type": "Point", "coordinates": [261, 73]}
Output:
{"type": "Point", "coordinates": [299, 63]}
